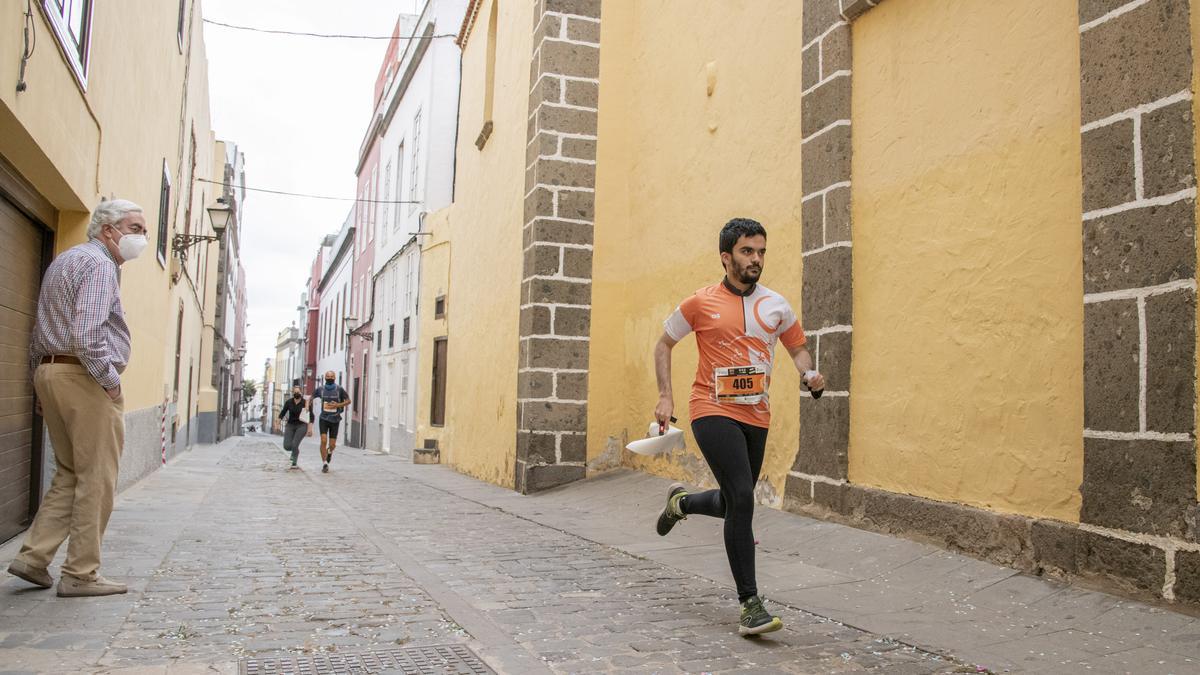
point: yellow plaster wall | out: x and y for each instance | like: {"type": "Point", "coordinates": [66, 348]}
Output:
{"type": "Point", "coordinates": [78, 146]}
{"type": "Point", "coordinates": [674, 165]}
{"type": "Point", "coordinates": [435, 282]}
{"type": "Point", "coordinates": [488, 215]}
{"type": "Point", "coordinates": [968, 344]}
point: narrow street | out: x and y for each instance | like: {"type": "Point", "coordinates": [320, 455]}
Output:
{"type": "Point", "coordinates": [231, 557]}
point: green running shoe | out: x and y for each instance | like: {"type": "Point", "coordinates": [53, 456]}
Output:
{"type": "Point", "coordinates": [756, 620]}
{"type": "Point", "coordinates": [671, 513]}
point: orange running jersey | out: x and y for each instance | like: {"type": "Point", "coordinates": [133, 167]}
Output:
{"type": "Point", "coordinates": [736, 337]}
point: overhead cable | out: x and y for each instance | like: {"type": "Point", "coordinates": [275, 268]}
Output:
{"type": "Point", "coordinates": [340, 36]}
{"type": "Point", "coordinates": [308, 196]}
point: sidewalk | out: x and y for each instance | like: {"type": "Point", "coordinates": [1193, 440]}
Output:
{"type": "Point", "coordinates": [924, 596]}
{"type": "Point", "coordinates": [230, 556]}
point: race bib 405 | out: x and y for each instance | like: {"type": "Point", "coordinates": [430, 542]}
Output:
{"type": "Point", "coordinates": [744, 385]}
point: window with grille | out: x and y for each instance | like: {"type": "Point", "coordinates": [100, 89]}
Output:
{"type": "Point", "coordinates": [406, 325]}
{"type": "Point", "coordinates": [392, 335]}
{"type": "Point", "coordinates": [164, 209]}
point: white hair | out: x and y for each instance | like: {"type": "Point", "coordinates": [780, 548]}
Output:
{"type": "Point", "coordinates": [110, 212]}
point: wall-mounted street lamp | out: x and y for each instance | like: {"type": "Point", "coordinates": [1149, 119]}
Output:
{"type": "Point", "coordinates": [219, 213]}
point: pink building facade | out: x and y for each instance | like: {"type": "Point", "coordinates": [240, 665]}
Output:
{"type": "Point", "coordinates": [368, 216]}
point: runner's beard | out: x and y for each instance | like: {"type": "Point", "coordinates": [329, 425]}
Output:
{"type": "Point", "coordinates": [747, 274]}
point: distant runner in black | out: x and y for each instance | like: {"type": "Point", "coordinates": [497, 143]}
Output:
{"type": "Point", "coordinates": [334, 400]}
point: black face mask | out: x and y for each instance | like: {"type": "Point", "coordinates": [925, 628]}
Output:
{"type": "Point", "coordinates": [296, 396]}
{"type": "Point", "coordinates": [328, 382]}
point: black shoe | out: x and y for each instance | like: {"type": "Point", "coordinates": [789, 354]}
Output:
{"type": "Point", "coordinates": [325, 468]}
{"type": "Point", "coordinates": [671, 513]}
{"type": "Point", "coordinates": [756, 620]}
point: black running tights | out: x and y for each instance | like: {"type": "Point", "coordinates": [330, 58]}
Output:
{"type": "Point", "coordinates": [734, 451]}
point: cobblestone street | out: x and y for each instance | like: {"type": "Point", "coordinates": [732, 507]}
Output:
{"type": "Point", "coordinates": [229, 555]}
{"type": "Point", "coordinates": [232, 560]}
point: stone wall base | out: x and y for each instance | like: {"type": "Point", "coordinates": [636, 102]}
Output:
{"type": "Point", "coordinates": [141, 456]}
{"type": "Point", "coordinates": [206, 426]}
{"type": "Point", "coordinates": [1143, 566]}
{"type": "Point", "coordinates": [426, 456]}
{"type": "Point", "coordinates": [532, 478]}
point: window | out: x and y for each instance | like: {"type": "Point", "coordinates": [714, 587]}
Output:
{"type": "Point", "coordinates": [410, 283]}
{"type": "Point", "coordinates": [341, 319]}
{"type": "Point", "coordinates": [374, 195]}
{"type": "Point", "coordinates": [164, 208]}
{"type": "Point", "coordinates": [72, 22]}
{"type": "Point", "coordinates": [399, 184]}
{"type": "Point", "coordinates": [413, 192]}
{"type": "Point", "coordinates": [437, 409]}
{"type": "Point", "coordinates": [378, 407]}
{"type": "Point", "coordinates": [439, 307]}
{"type": "Point", "coordinates": [178, 349]}
{"type": "Point", "coordinates": [392, 335]}
{"type": "Point", "coordinates": [387, 195]}
{"type": "Point", "coordinates": [407, 320]}
{"type": "Point", "coordinates": [403, 416]}
{"type": "Point", "coordinates": [355, 398]}
{"type": "Point", "coordinates": [394, 306]}
{"type": "Point", "coordinates": [379, 337]}
{"type": "Point", "coordinates": [360, 210]}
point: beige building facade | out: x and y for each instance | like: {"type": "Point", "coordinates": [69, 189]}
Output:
{"type": "Point", "coordinates": [113, 102]}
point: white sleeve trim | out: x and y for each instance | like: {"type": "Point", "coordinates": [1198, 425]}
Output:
{"type": "Point", "coordinates": [676, 326]}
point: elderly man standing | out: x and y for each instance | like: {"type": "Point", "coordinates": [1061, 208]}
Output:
{"type": "Point", "coordinates": [80, 347]}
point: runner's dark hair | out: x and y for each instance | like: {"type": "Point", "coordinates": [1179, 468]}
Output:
{"type": "Point", "coordinates": [738, 228]}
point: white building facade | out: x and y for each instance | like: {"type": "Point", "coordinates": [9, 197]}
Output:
{"type": "Point", "coordinates": [332, 329]}
{"type": "Point", "coordinates": [419, 114]}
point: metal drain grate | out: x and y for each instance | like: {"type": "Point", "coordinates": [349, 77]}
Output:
{"type": "Point", "coordinates": [432, 660]}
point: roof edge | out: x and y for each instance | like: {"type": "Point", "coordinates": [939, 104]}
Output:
{"type": "Point", "coordinates": [468, 23]}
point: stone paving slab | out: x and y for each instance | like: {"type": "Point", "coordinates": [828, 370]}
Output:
{"type": "Point", "coordinates": [229, 555]}
{"type": "Point", "coordinates": [920, 594]}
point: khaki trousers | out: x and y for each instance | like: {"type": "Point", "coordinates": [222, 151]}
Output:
{"type": "Point", "coordinates": [87, 429]}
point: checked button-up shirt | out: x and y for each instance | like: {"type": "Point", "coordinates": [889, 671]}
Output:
{"type": "Point", "coordinates": [79, 314]}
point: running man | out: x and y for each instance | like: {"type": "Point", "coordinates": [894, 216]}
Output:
{"type": "Point", "coordinates": [333, 399]}
{"type": "Point", "coordinates": [737, 323]}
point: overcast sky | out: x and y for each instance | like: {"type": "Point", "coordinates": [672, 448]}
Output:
{"type": "Point", "coordinates": [298, 108]}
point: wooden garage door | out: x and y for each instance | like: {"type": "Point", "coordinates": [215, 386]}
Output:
{"type": "Point", "coordinates": [20, 275]}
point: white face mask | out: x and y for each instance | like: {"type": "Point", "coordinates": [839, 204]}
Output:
{"type": "Point", "coordinates": [131, 245]}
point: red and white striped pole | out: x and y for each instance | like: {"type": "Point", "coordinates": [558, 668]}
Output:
{"type": "Point", "coordinates": [163, 429]}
